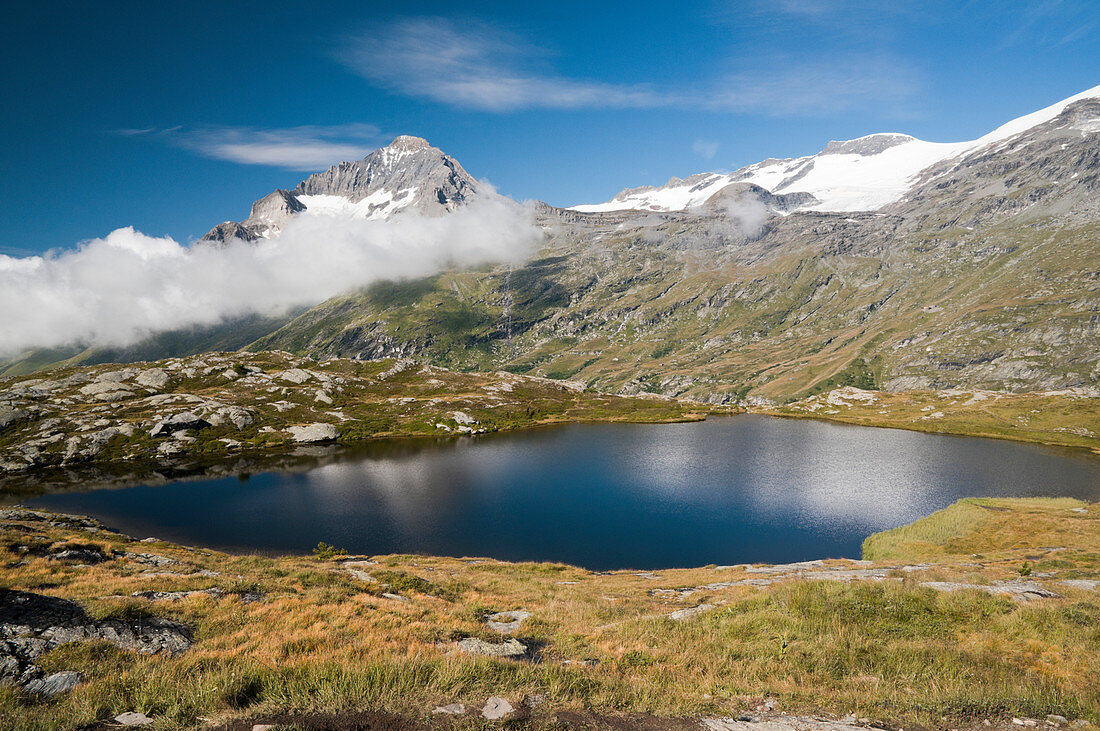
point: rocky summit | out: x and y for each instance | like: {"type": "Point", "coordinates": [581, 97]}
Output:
{"type": "Point", "coordinates": [406, 175]}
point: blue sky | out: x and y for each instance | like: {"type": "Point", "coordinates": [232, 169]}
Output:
{"type": "Point", "coordinates": [172, 117]}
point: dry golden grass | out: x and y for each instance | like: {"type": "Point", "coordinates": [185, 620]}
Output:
{"type": "Point", "coordinates": [325, 640]}
{"type": "Point", "coordinates": [1059, 418]}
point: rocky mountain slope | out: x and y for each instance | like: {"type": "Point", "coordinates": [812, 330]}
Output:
{"type": "Point", "coordinates": [406, 175]}
{"type": "Point", "coordinates": [984, 272]}
{"type": "Point", "coordinates": [984, 275]}
{"type": "Point", "coordinates": [853, 175]}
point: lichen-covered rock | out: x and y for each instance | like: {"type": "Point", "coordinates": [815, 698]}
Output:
{"type": "Point", "coordinates": [154, 378]}
{"type": "Point", "coordinates": [311, 433]}
{"type": "Point", "coordinates": [474, 646]}
{"type": "Point", "coordinates": [10, 416]}
{"type": "Point", "coordinates": [33, 624]}
{"type": "Point", "coordinates": [497, 708]}
{"type": "Point", "coordinates": [295, 375]}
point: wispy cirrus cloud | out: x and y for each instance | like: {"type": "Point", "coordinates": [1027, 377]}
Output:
{"type": "Point", "coordinates": [705, 149]}
{"type": "Point", "coordinates": [475, 66]}
{"type": "Point", "coordinates": [787, 85]}
{"type": "Point", "coordinates": [306, 147]}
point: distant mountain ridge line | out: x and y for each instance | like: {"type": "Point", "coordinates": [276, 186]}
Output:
{"type": "Point", "coordinates": [860, 174]}
{"type": "Point", "coordinates": [981, 274]}
{"type": "Point", "coordinates": [841, 183]}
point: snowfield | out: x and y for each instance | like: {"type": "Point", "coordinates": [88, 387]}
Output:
{"type": "Point", "coordinates": [857, 175]}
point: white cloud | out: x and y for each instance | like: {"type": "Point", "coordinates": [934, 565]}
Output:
{"type": "Point", "coordinates": [749, 214]}
{"type": "Point", "coordinates": [706, 149]}
{"type": "Point", "coordinates": [787, 85]}
{"type": "Point", "coordinates": [483, 68]}
{"type": "Point", "coordinates": [307, 147]}
{"type": "Point", "coordinates": [476, 67]}
{"type": "Point", "coordinates": [121, 288]}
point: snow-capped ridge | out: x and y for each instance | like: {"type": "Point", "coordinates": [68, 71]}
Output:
{"type": "Point", "coordinates": [407, 174]}
{"type": "Point", "coordinates": [861, 174]}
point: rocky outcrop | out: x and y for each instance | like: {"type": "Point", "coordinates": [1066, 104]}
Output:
{"type": "Point", "coordinates": [33, 624]}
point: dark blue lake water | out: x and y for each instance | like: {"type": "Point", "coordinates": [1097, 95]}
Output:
{"type": "Point", "coordinates": [723, 491]}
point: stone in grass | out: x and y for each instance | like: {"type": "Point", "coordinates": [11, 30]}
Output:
{"type": "Point", "coordinates": [55, 684]}
{"type": "Point", "coordinates": [10, 415]}
{"type": "Point", "coordinates": [451, 709]}
{"type": "Point", "coordinates": [310, 433]}
{"type": "Point", "coordinates": [133, 718]}
{"type": "Point", "coordinates": [681, 614]}
{"type": "Point", "coordinates": [497, 708]}
{"type": "Point", "coordinates": [507, 622]}
{"type": "Point", "coordinates": [508, 648]}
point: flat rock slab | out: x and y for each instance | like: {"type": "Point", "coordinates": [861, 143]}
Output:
{"type": "Point", "coordinates": [150, 559]}
{"type": "Point", "coordinates": [133, 718]}
{"type": "Point", "coordinates": [175, 596]}
{"type": "Point", "coordinates": [497, 708]}
{"type": "Point", "coordinates": [311, 433]}
{"type": "Point", "coordinates": [782, 723]}
{"type": "Point", "coordinates": [1023, 590]}
{"type": "Point", "coordinates": [508, 648]}
{"type": "Point", "coordinates": [451, 709]}
{"type": "Point", "coordinates": [54, 684]}
{"type": "Point", "coordinates": [681, 614]}
{"type": "Point", "coordinates": [507, 622]}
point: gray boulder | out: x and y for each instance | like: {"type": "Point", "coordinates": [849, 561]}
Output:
{"type": "Point", "coordinates": [314, 433]}
{"type": "Point", "coordinates": [508, 648]}
{"type": "Point", "coordinates": [179, 422]}
{"type": "Point", "coordinates": [10, 416]}
{"type": "Point", "coordinates": [507, 622]}
{"type": "Point", "coordinates": [54, 684]}
{"type": "Point", "coordinates": [497, 708]}
{"type": "Point", "coordinates": [154, 378]}
{"type": "Point", "coordinates": [133, 718]}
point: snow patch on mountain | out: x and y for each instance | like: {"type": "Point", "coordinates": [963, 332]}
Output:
{"type": "Point", "coordinates": [853, 175]}
{"type": "Point", "coordinates": [406, 175]}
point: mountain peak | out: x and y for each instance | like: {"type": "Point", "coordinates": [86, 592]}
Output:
{"type": "Point", "coordinates": [407, 174]}
{"type": "Point", "coordinates": [408, 143]}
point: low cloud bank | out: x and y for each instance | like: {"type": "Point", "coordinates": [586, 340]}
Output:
{"type": "Point", "coordinates": [749, 214]}
{"type": "Point", "coordinates": [117, 290]}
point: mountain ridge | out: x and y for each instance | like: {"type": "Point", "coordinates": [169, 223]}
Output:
{"type": "Point", "coordinates": [983, 274]}
{"type": "Point", "coordinates": [406, 175]}
{"type": "Point", "coordinates": [837, 189]}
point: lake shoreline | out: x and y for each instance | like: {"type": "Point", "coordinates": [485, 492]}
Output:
{"type": "Point", "coordinates": [724, 490]}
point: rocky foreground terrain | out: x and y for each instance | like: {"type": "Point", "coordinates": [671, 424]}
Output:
{"type": "Point", "coordinates": [983, 615]}
{"type": "Point", "coordinates": [217, 405]}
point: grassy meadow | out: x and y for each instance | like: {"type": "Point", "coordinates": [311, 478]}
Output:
{"type": "Point", "coordinates": [836, 637]}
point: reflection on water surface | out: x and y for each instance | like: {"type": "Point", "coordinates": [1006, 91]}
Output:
{"type": "Point", "coordinates": [728, 490]}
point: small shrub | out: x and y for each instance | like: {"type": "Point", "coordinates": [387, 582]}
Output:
{"type": "Point", "coordinates": [636, 659]}
{"type": "Point", "coordinates": [325, 552]}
